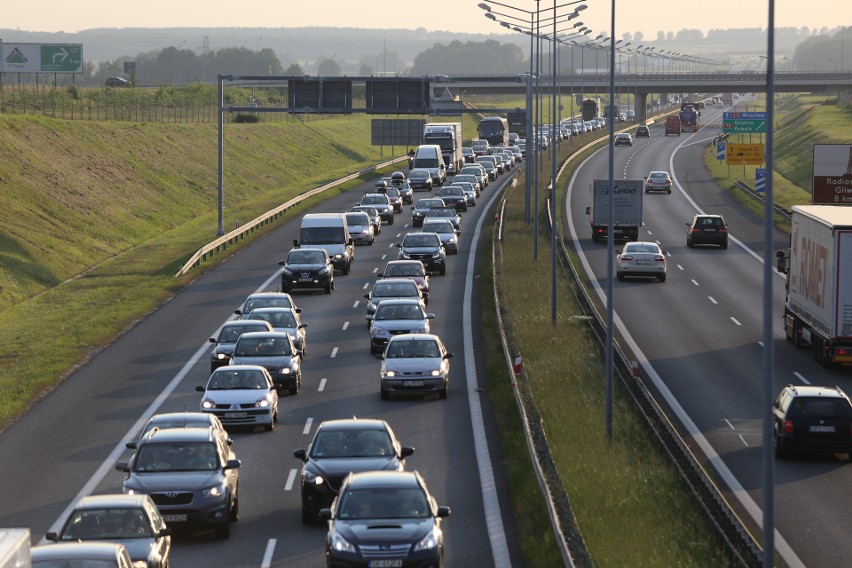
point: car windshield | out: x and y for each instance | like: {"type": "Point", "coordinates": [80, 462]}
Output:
{"type": "Point", "coordinates": [357, 220]}
{"type": "Point", "coordinates": [374, 200]}
{"type": "Point", "coordinates": [639, 247]}
{"type": "Point", "coordinates": [451, 191]}
{"type": "Point", "coordinates": [404, 269]}
{"type": "Point", "coordinates": [231, 333]}
{"type": "Point", "coordinates": [397, 312]}
{"type": "Point", "coordinates": [255, 303]}
{"type": "Point", "coordinates": [420, 241]}
{"type": "Point", "coordinates": [322, 236]}
{"type": "Point", "coordinates": [352, 444]}
{"type": "Point", "coordinates": [659, 175]}
{"type": "Point", "coordinates": [407, 503]}
{"type": "Point", "coordinates": [183, 456]}
{"type": "Point", "coordinates": [439, 227]}
{"type": "Point", "coordinates": [392, 290]}
{"type": "Point", "coordinates": [243, 379]}
{"type": "Point", "coordinates": [412, 349]}
{"type": "Point", "coordinates": [263, 347]}
{"type": "Point", "coordinates": [306, 257]}
{"type": "Point", "coordinates": [392, 192]}
{"type": "Point", "coordinates": [106, 524]}
{"type": "Point", "coordinates": [275, 318]}
{"type": "Point", "coordinates": [418, 174]}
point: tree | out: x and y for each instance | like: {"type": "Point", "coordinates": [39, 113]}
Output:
{"type": "Point", "coordinates": [627, 36]}
{"type": "Point", "coordinates": [638, 36]}
{"type": "Point", "coordinates": [294, 70]}
{"type": "Point", "coordinates": [661, 35]}
{"type": "Point", "coordinates": [328, 67]}
{"type": "Point", "coordinates": [670, 36]}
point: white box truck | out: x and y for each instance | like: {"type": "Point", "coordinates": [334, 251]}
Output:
{"type": "Point", "coordinates": [818, 307]}
{"type": "Point", "coordinates": [627, 198]}
{"type": "Point", "coordinates": [429, 157]}
{"type": "Point", "coordinates": [447, 135]}
{"type": "Point", "coordinates": [15, 548]}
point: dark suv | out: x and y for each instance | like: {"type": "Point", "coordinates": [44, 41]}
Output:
{"type": "Point", "coordinates": [307, 268]}
{"type": "Point", "coordinates": [707, 230]}
{"type": "Point", "coordinates": [812, 419]}
{"type": "Point", "coordinates": [190, 473]}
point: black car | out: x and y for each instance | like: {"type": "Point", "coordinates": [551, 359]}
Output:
{"type": "Point", "coordinates": [307, 269]}
{"type": "Point", "coordinates": [453, 196]}
{"type": "Point", "coordinates": [223, 343]}
{"type": "Point", "coordinates": [382, 204]}
{"type": "Point", "coordinates": [425, 247]}
{"type": "Point", "coordinates": [384, 518]}
{"type": "Point", "coordinates": [643, 131]}
{"type": "Point", "coordinates": [117, 82]}
{"type": "Point", "coordinates": [444, 214]}
{"type": "Point", "coordinates": [274, 351]}
{"type": "Point", "coordinates": [812, 419]}
{"type": "Point", "coordinates": [340, 447]}
{"type": "Point", "coordinates": [422, 208]}
{"type": "Point", "coordinates": [707, 230]}
{"type": "Point", "coordinates": [420, 179]}
{"type": "Point", "coordinates": [469, 156]}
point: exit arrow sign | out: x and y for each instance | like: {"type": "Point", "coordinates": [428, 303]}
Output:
{"type": "Point", "coordinates": [67, 58]}
{"type": "Point", "coordinates": [739, 126]}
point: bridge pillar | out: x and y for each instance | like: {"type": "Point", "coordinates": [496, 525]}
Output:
{"type": "Point", "coordinates": [639, 105]}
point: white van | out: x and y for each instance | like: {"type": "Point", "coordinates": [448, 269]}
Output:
{"type": "Point", "coordinates": [330, 232]}
{"type": "Point", "coordinates": [429, 157]}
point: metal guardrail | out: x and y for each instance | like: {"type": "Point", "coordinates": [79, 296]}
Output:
{"type": "Point", "coordinates": [786, 213]}
{"type": "Point", "coordinates": [240, 232]}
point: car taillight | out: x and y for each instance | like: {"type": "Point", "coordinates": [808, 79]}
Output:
{"type": "Point", "coordinates": [626, 257]}
{"type": "Point", "coordinates": [788, 426]}
{"type": "Point", "coordinates": [696, 230]}
{"type": "Point", "coordinates": [668, 182]}
{"type": "Point", "coordinates": [660, 258]}
{"type": "Point", "coordinates": [723, 230]}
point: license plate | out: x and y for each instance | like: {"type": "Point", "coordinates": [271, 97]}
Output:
{"type": "Point", "coordinates": [643, 262]}
{"type": "Point", "coordinates": [816, 428]}
{"type": "Point", "coordinates": [180, 518]}
{"type": "Point", "coordinates": [304, 279]}
{"type": "Point", "coordinates": [235, 415]}
{"type": "Point", "coordinates": [414, 383]}
{"type": "Point", "coordinates": [386, 563]}
{"type": "Point", "coordinates": [709, 230]}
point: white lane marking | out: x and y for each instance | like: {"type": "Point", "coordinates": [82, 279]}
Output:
{"type": "Point", "coordinates": [679, 267]}
{"type": "Point", "coordinates": [267, 554]}
{"type": "Point", "coordinates": [345, 326]}
{"type": "Point", "coordinates": [801, 377]}
{"type": "Point", "coordinates": [308, 423]}
{"type": "Point", "coordinates": [356, 304]}
{"type": "Point", "coordinates": [376, 269]}
{"type": "Point", "coordinates": [650, 233]}
{"type": "Point", "coordinates": [712, 299]}
{"type": "Point", "coordinates": [384, 256]}
{"type": "Point", "coordinates": [391, 245]}
{"type": "Point", "coordinates": [695, 282]}
{"type": "Point", "coordinates": [731, 426]}
{"type": "Point", "coordinates": [322, 384]}
{"type": "Point", "coordinates": [743, 439]}
{"type": "Point", "coordinates": [291, 478]}
{"type": "Point", "coordinates": [334, 353]}
{"type": "Point", "coordinates": [733, 319]}
{"type": "Point", "coordinates": [366, 285]}
{"type": "Point", "coordinates": [760, 343]}
{"type": "Point", "coordinates": [398, 235]}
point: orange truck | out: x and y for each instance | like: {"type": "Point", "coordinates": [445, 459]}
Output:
{"type": "Point", "coordinates": [672, 125]}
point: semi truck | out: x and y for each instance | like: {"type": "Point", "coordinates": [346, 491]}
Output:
{"type": "Point", "coordinates": [447, 135]}
{"type": "Point", "coordinates": [627, 200]}
{"type": "Point", "coordinates": [15, 548]}
{"type": "Point", "coordinates": [590, 108]}
{"type": "Point", "coordinates": [818, 265]}
{"type": "Point", "coordinates": [689, 119]}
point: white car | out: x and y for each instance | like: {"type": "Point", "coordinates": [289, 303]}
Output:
{"type": "Point", "coordinates": [415, 363]}
{"type": "Point", "coordinates": [641, 258]}
{"type": "Point", "coordinates": [241, 395]}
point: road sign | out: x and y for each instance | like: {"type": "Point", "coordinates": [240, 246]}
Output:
{"type": "Point", "coordinates": [56, 58]}
{"type": "Point", "coordinates": [760, 180]}
{"type": "Point", "coordinates": [744, 154]}
{"type": "Point", "coordinates": [744, 115]}
{"type": "Point", "coordinates": [832, 178]}
{"type": "Point", "coordinates": [743, 126]}
{"type": "Point", "coordinates": [720, 150]}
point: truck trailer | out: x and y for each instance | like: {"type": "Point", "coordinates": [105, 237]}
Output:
{"type": "Point", "coordinates": [627, 199]}
{"type": "Point", "coordinates": [447, 135]}
{"type": "Point", "coordinates": [818, 265]}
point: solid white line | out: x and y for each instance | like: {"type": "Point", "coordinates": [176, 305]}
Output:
{"type": "Point", "coordinates": [322, 384]}
{"type": "Point", "coordinates": [307, 428]}
{"type": "Point", "coordinates": [334, 353]}
{"type": "Point", "coordinates": [733, 319]}
{"type": "Point", "coordinates": [695, 282]}
{"type": "Point", "coordinates": [712, 299]}
{"type": "Point", "coordinates": [291, 478]}
{"type": "Point", "coordinates": [267, 555]}
{"type": "Point", "coordinates": [801, 377]}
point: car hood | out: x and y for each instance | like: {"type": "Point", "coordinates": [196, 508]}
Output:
{"type": "Point", "coordinates": [308, 266]}
{"type": "Point", "coordinates": [414, 364]}
{"type": "Point", "coordinates": [383, 531]}
{"type": "Point", "coordinates": [157, 482]}
{"type": "Point", "coordinates": [247, 396]}
{"type": "Point", "coordinates": [227, 347]}
{"type": "Point", "coordinates": [331, 248]}
{"type": "Point", "coordinates": [420, 250]}
{"type": "Point", "coordinates": [340, 467]}
{"type": "Point", "coordinates": [138, 548]}
{"type": "Point", "coordinates": [263, 360]}
{"type": "Point", "coordinates": [400, 324]}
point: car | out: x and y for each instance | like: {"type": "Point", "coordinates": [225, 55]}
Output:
{"type": "Point", "coordinates": [373, 214]}
{"type": "Point", "coordinates": [190, 475]}
{"type": "Point", "coordinates": [422, 207]}
{"type": "Point", "coordinates": [420, 179]}
{"type": "Point", "coordinates": [468, 178]}
{"type": "Point", "coordinates": [453, 196]}
{"type": "Point", "coordinates": [468, 155]}
{"type": "Point", "coordinates": [402, 183]}
{"type": "Point", "coordinates": [631, 114]}
{"type": "Point", "coordinates": [360, 228]}
{"type": "Point", "coordinates": [224, 341]}
{"type": "Point", "coordinates": [720, 104]}
{"type": "Point", "coordinates": [241, 395]}
{"type": "Point", "coordinates": [477, 170]}
{"type": "Point", "coordinates": [480, 147]}
{"type": "Point", "coordinates": [415, 363]}
{"type": "Point", "coordinates": [501, 164]}
{"type": "Point", "coordinates": [393, 317]}
{"type": "Point", "coordinates": [643, 130]}
{"type": "Point", "coordinates": [445, 231]}
{"type": "Point", "coordinates": [382, 204]}
{"type": "Point", "coordinates": [276, 352]}
{"type": "Point", "coordinates": [286, 320]}
{"type": "Point", "coordinates": [622, 117]}
{"type": "Point", "coordinates": [411, 269]}
{"type": "Point", "coordinates": [516, 152]}
{"type": "Point", "coordinates": [117, 82]}
{"type": "Point", "coordinates": [623, 139]}
{"type": "Point", "coordinates": [658, 180]}
{"type": "Point", "coordinates": [167, 420]}
{"type": "Point", "coordinates": [384, 518]}
{"type": "Point", "coordinates": [130, 520]}
{"type": "Point", "coordinates": [812, 419]}
{"type": "Point", "coordinates": [392, 289]}
{"type": "Point", "coordinates": [508, 159]}
{"type": "Point", "coordinates": [425, 247]}
{"type": "Point", "coordinates": [266, 300]}
{"type": "Point", "coordinates": [470, 191]}
{"type": "Point", "coordinates": [74, 554]}
{"type": "Point", "coordinates": [489, 166]}
{"type": "Point", "coordinates": [707, 230]}
{"type": "Point", "coordinates": [522, 145]}
{"type": "Point", "coordinates": [445, 214]}
{"type": "Point", "coordinates": [340, 447]}
{"type": "Point", "coordinates": [395, 198]}
{"type": "Point", "coordinates": [641, 258]}
{"type": "Point", "coordinates": [307, 269]}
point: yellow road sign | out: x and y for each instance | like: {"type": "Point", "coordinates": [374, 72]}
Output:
{"type": "Point", "coordinates": [744, 154]}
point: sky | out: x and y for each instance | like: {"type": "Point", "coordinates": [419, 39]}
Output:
{"type": "Point", "coordinates": [648, 16]}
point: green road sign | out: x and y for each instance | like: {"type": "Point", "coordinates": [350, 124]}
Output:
{"type": "Point", "coordinates": [743, 126]}
{"type": "Point", "coordinates": [57, 58]}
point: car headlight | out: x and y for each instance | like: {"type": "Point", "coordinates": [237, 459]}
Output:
{"type": "Point", "coordinates": [340, 544]}
{"type": "Point", "coordinates": [285, 371]}
{"type": "Point", "coordinates": [311, 477]}
{"type": "Point", "coordinates": [338, 256]}
{"type": "Point", "coordinates": [287, 272]}
{"type": "Point", "coordinates": [436, 255]}
{"type": "Point", "coordinates": [208, 404]}
{"type": "Point", "coordinates": [451, 240]}
{"type": "Point", "coordinates": [365, 231]}
{"type": "Point", "coordinates": [221, 356]}
{"type": "Point", "coordinates": [323, 271]}
{"type": "Point", "coordinates": [430, 541]}
{"type": "Point", "coordinates": [262, 403]}
{"type": "Point", "coordinates": [404, 255]}
{"type": "Point", "coordinates": [436, 373]}
{"type": "Point", "coordinates": [216, 491]}
{"type": "Point", "coordinates": [390, 374]}
{"type": "Point", "coordinates": [379, 332]}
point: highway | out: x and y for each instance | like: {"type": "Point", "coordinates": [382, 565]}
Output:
{"type": "Point", "coordinates": [698, 338]}
{"type": "Point", "coordinates": [66, 445]}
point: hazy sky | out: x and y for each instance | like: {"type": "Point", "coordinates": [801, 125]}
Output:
{"type": "Point", "coordinates": [648, 16]}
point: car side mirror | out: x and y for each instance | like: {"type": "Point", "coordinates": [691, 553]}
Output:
{"type": "Point", "coordinates": [233, 464]}
{"type": "Point", "coordinates": [588, 210]}
{"type": "Point", "coordinates": [448, 356]}
{"type": "Point", "coordinates": [301, 454]}
{"type": "Point", "coordinates": [443, 511]}
{"type": "Point", "coordinates": [282, 262]}
{"type": "Point", "coordinates": [212, 340]}
{"type": "Point", "coordinates": [122, 466]}
{"type": "Point", "coordinates": [406, 451]}
{"type": "Point", "coordinates": [687, 224]}
{"type": "Point", "coordinates": [325, 514]}
{"type": "Point", "coordinates": [303, 325]}
{"type": "Point", "coordinates": [130, 445]}
{"type": "Point", "coordinates": [368, 318]}
{"type": "Point", "coordinates": [430, 316]}
{"type": "Point", "coordinates": [295, 243]}
{"type": "Point", "coordinates": [165, 531]}
{"type": "Point", "coordinates": [238, 312]}
{"type": "Point", "coordinates": [366, 296]}
{"type": "Point", "coordinates": [52, 536]}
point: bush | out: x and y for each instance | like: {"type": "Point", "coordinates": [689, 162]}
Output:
{"type": "Point", "coordinates": [247, 117]}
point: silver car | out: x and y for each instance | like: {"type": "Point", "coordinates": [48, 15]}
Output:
{"type": "Point", "coordinates": [286, 320]}
{"type": "Point", "coordinates": [445, 231]}
{"type": "Point", "coordinates": [415, 363]}
{"type": "Point", "coordinates": [241, 395]}
{"type": "Point", "coordinates": [266, 300]}
{"type": "Point", "coordinates": [360, 228]}
{"type": "Point", "coordinates": [641, 258]}
{"type": "Point", "coordinates": [394, 317]}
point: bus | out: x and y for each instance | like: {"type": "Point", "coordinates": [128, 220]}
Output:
{"type": "Point", "coordinates": [495, 129]}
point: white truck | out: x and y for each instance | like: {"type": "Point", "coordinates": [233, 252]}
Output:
{"type": "Point", "coordinates": [627, 198]}
{"type": "Point", "coordinates": [447, 135]}
{"type": "Point", "coordinates": [818, 307]}
{"type": "Point", "coordinates": [429, 157]}
{"type": "Point", "coordinates": [15, 548]}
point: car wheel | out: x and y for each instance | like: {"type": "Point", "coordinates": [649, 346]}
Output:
{"type": "Point", "coordinates": [384, 394]}
{"type": "Point", "coordinates": [346, 268]}
{"type": "Point", "coordinates": [372, 241]}
{"type": "Point", "coordinates": [443, 392]}
{"type": "Point", "coordinates": [797, 333]}
{"type": "Point", "coordinates": [690, 244]}
{"type": "Point", "coordinates": [295, 389]}
{"type": "Point", "coordinates": [669, 191]}
{"type": "Point", "coordinates": [328, 288]}
{"type": "Point", "coordinates": [725, 245]}
{"type": "Point", "coordinates": [662, 277]}
{"type": "Point", "coordinates": [443, 271]}
{"type": "Point", "coordinates": [373, 350]}
{"type": "Point", "coordinates": [308, 517]}
{"type": "Point", "coordinates": [619, 275]}
{"type": "Point", "coordinates": [391, 221]}
{"type": "Point", "coordinates": [778, 446]}
{"type": "Point", "coordinates": [271, 426]}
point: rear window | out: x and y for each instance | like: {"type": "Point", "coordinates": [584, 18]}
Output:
{"type": "Point", "coordinates": [819, 407]}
